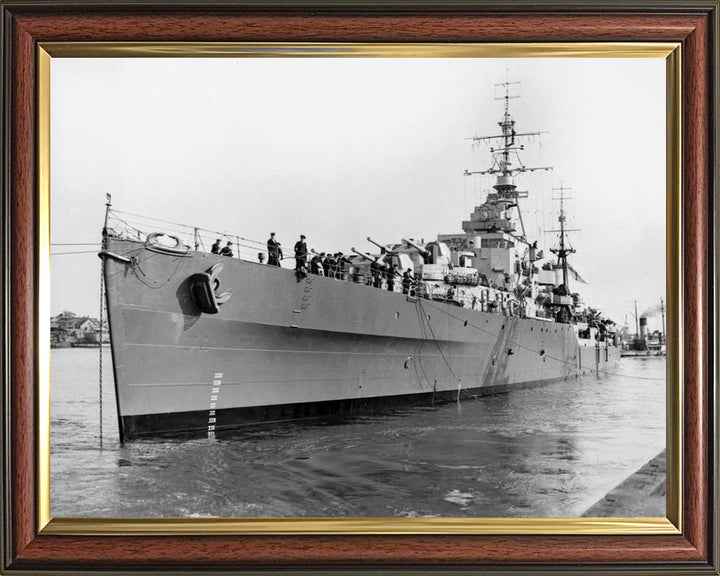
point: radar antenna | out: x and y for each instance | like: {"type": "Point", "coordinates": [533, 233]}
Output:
{"type": "Point", "coordinates": [505, 147]}
{"type": "Point", "coordinates": [506, 162]}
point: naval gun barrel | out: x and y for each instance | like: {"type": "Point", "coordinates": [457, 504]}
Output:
{"type": "Point", "coordinates": [383, 249]}
{"type": "Point", "coordinates": [424, 253]}
{"type": "Point", "coordinates": [366, 256]}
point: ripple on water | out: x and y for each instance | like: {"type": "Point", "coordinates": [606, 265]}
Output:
{"type": "Point", "coordinates": [545, 451]}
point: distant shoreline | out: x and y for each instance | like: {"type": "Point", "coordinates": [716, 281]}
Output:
{"type": "Point", "coordinates": [67, 345]}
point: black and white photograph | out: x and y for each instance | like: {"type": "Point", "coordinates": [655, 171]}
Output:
{"type": "Point", "coordinates": [350, 287]}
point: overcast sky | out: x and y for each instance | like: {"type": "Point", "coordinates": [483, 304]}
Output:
{"type": "Point", "coordinates": [341, 149]}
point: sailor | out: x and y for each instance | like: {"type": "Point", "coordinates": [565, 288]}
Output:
{"type": "Point", "coordinates": [227, 250]}
{"type": "Point", "coordinates": [315, 265]}
{"type": "Point", "coordinates": [341, 262]}
{"type": "Point", "coordinates": [407, 281]}
{"type": "Point", "coordinates": [274, 251]}
{"type": "Point", "coordinates": [332, 265]}
{"type": "Point", "coordinates": [374, 272]}
{"type": "Point", "coordinates": [390, 277]}
{"type": "Point", "coordinates": [301, 258]}
{"type": "Point", "coordinates": [338, 265]}
{"type": "Point", "coordinates": [380, 267]}
{"type": "Point", "coordinates": [216, 247]}
{"type": "Point", "coordinates": [325, 264]}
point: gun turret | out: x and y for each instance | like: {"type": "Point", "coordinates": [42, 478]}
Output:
{"type": "Point", "coordinates": [424, 253]}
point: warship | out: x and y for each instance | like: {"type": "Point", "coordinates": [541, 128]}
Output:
{"type": "Point", "coordinates": [203, 342]}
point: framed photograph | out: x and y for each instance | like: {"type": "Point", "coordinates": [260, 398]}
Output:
{"type": "Point", "coordinates": [377, 287]}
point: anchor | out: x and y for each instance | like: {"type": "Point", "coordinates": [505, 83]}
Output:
{"type": "Point", "coordinates": [206, 290]}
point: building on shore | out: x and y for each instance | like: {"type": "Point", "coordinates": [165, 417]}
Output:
{"type": "Point", "coordinates": [68, 329]}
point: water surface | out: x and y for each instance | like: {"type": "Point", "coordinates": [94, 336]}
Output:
{"type": "Point", "coordinates": [548, 451]}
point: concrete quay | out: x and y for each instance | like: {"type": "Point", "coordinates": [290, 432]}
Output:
{"type": "Point", "coordinates": [640, 495]}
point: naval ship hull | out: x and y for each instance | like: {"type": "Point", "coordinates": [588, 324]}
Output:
{"type": "Point", "coordinates": [282, 349]}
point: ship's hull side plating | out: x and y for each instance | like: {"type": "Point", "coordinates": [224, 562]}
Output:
{"type": "Point", "coordinates": [282, 349]}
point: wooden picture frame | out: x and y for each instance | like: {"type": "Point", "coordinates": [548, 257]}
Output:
{"type": "Point", "coordinates": [29, 547]}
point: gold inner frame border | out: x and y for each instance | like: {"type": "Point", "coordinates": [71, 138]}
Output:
{"type": "Point", "coordinates": [671, 524]}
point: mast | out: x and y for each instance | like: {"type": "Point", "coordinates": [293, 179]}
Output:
{"type": "Point", "coordinates": [108, 206]}
{"type": "Point", "coordinates": [506, 162]}
{"type": "Point", "coordinates": [564, 249]}
{"type": "Point", "coordinates": [662, 311]}
{"type": "Point", "coordinates": [508, 130]}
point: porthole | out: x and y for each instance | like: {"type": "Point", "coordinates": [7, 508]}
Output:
{"type": "Point", "coordinates": [397, 315]}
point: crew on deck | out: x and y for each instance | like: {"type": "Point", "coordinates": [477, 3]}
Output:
{"type": "Point", "coordinates": [316, 265]}
{"type": "Point", "coordinates": [274, 251]}
{"type": "Point", "coordinates": [227, 250]}
{"type": "Point", "coordinates": [301, 252]}
{"type": "Point", "coordinates": [341, 263]}
{"type": "Point", "coordinates": [407, 281]}
{"type": "Point", "coordinates": [382, 275]}
{"type": "Point", "coordinates": [390, 274]}
{"type": "Point", "coordinates": [331, 265]}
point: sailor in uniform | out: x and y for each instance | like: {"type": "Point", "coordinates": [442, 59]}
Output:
{"type": "Point", "coordinates": [315, 265]}
{"type": "Point", "coordinates": [407, 281]}
{"type": "Point", "coordinates": [274, 251]}
{"type": "Point", "coordinates": [300, 258]}
{"type": "Point", "coordinates": [227, 250]}
{"type": "Point", "coordinates": [390, 277]}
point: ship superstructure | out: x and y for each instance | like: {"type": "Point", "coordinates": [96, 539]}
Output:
{"type": "Point", "coordinates": [203, 342]}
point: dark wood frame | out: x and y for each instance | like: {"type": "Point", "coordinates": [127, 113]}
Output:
{"type": "Point", "coordinates": [26, 23]}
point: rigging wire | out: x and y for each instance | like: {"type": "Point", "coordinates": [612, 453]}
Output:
{"type": "Point", "coordinates": [77, 252]}
{"type": "Point", "coordinates": [432, 332]}
{"type": "Point", "coordinates": [187, 227]}
{"type": "Point", "coordinates": [244, 246]}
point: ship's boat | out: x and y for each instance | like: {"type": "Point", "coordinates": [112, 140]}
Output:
{"type": "Point", "coordinates": [203, 342]}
